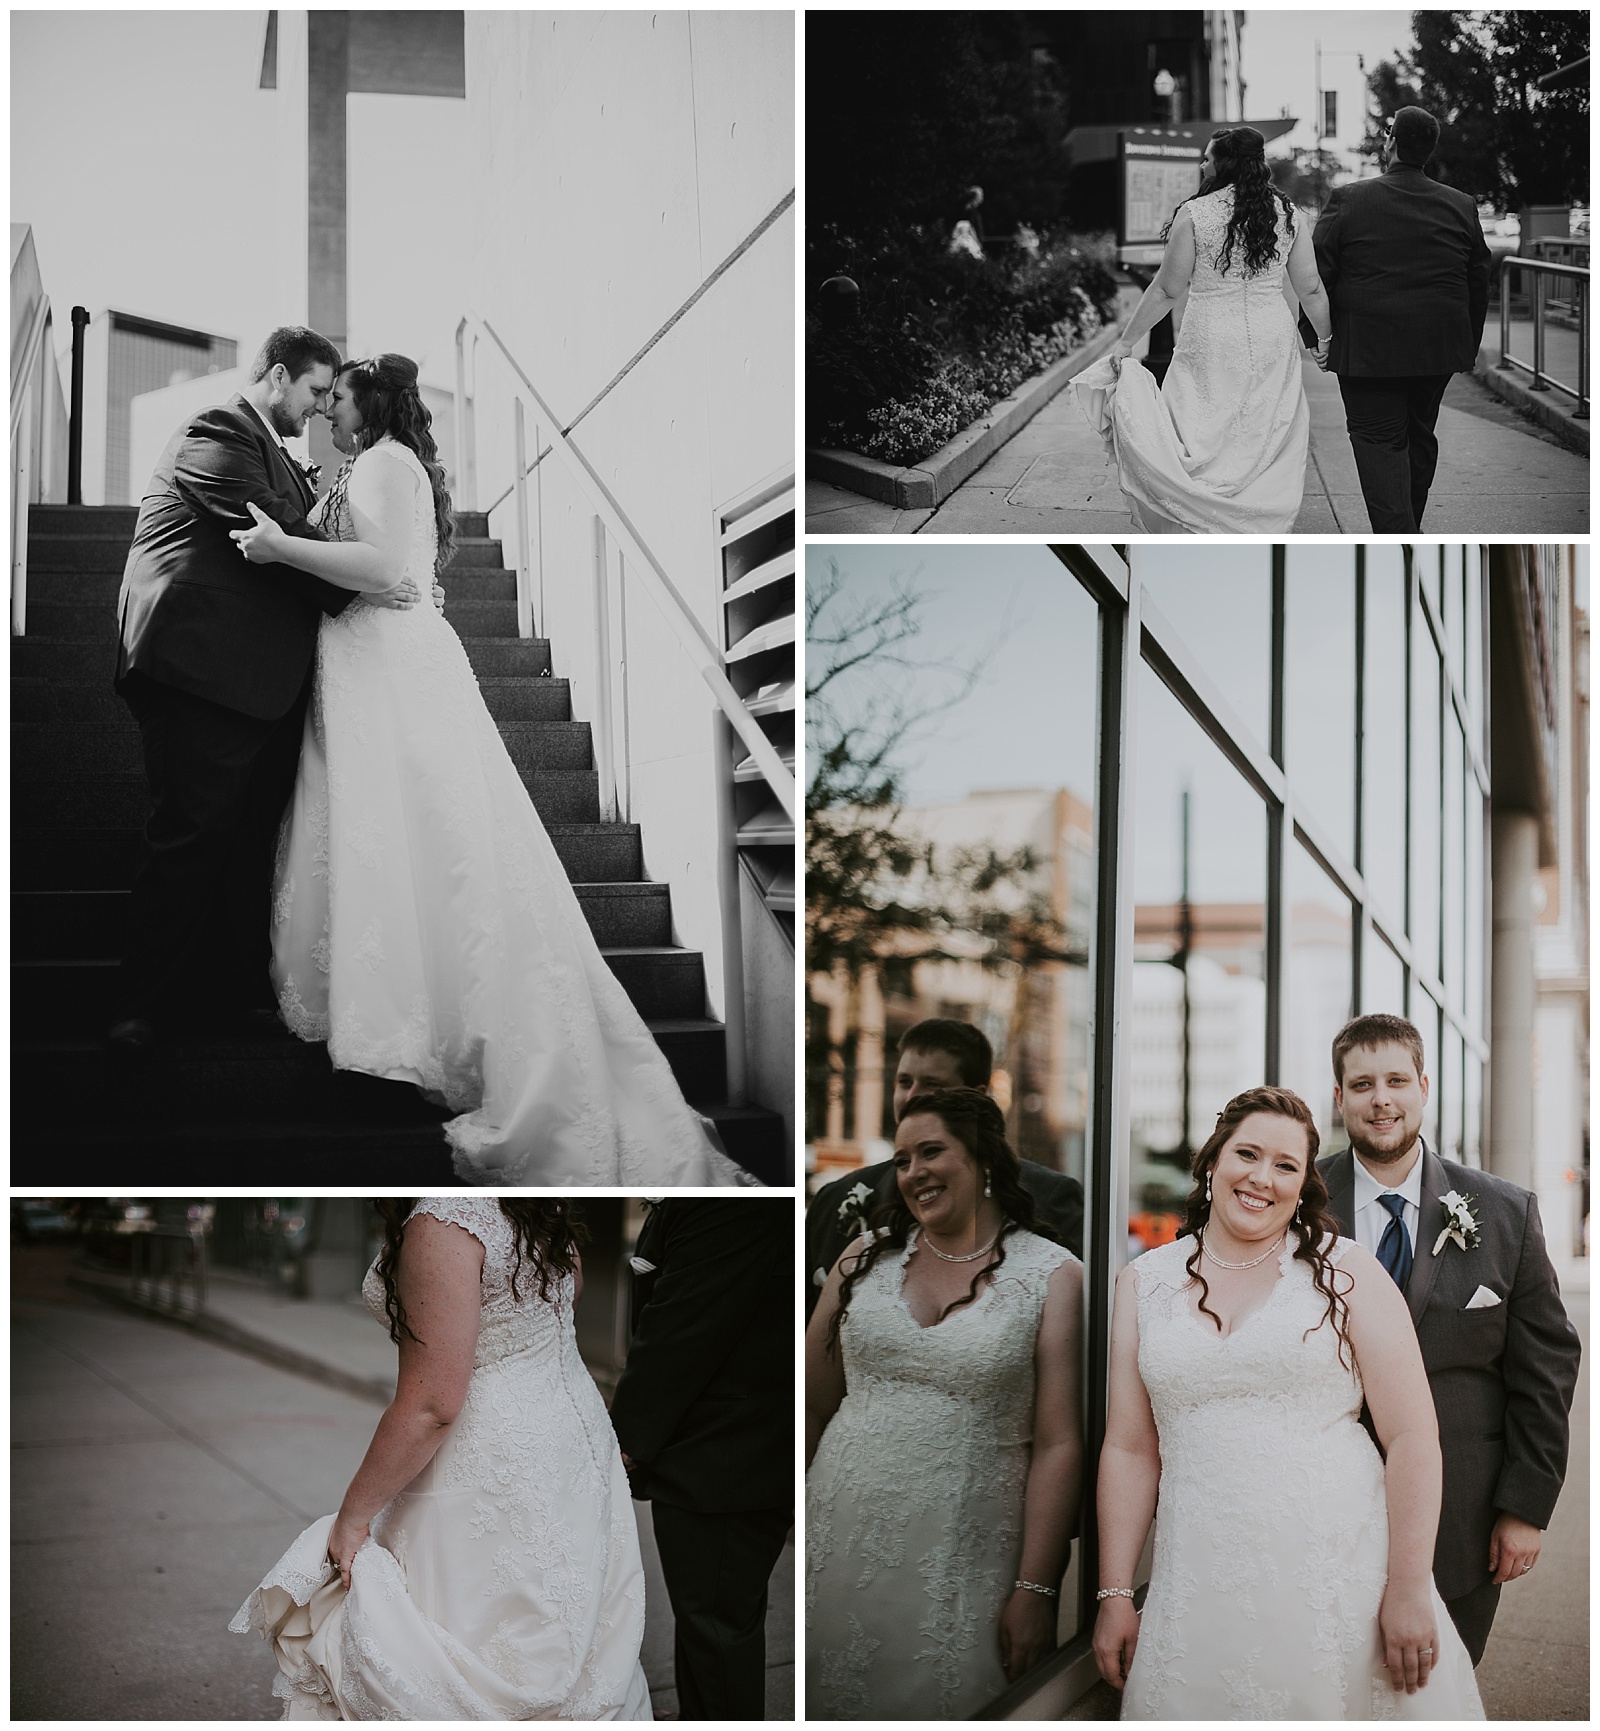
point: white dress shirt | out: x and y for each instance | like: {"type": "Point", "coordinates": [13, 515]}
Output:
{"type": "Point", "coordinates": [274, 432]}
{"type": "Point", "coordinates": [1372, 1217]}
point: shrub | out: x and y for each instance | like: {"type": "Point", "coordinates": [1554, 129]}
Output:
{"type": "Point", "coordinates": [942, 336]}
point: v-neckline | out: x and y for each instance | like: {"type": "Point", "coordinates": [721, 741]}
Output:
{"type": "Point", "coordinates": [905, 1303]}
{"type": "Point", "coordinates": [1191, 1306]}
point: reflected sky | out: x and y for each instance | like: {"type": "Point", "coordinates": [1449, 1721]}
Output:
{"type": "Point", "coordinates": [1027, 618]}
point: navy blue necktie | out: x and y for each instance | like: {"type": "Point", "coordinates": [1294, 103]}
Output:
{"type": "Point", "coordinates": [1394, 1248]}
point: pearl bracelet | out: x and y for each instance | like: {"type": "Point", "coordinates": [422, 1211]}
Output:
{"type": "Point", "coordinates": [1115, 1593]}
{"type": "Point", "coordinates": [1034, 1587]}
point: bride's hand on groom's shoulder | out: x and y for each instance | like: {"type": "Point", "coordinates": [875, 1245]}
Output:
{"type": "Point", "coordinates": [262, 544]}
{"type": "Point", "coordinates": [1116, 1635]}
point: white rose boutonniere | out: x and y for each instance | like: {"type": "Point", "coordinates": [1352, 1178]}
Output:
{"type": "Point", "coordinates": [853, 1210]}
{"type": "Point", "coordinates": [1460, 1223]}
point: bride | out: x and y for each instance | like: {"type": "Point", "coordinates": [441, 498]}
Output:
{"type": "Point", "coordinates": [1221, 446]}
{"type": "Point", "coordinates": [484, 1563]}
{"type": "Point", "coordinates": [423, 925]}
{"type": "Point", "coordinates": [1292, 1572]}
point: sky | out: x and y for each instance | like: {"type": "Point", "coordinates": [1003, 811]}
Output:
{"type": "Point", "coordinates": [1279, 63]}
{"type": "Point", "coordinates": [142, 156]}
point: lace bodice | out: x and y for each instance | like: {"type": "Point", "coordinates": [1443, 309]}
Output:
{"type": "Point", "coordinates": [508, 1325]}
{"type": "Point", "coordinates": [1210, 216]}
{"type": "Point", "coordinates": [332, 513]}
{"type": "Point", "coordinates": [915, 1496]}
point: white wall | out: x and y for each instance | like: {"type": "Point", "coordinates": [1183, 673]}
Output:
{"type": "Point", "coordinates": [619, 159]}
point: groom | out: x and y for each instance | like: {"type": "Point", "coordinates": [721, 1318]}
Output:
{"type": "Point", "coordinates": [215, 660]}
{"type": "Point", "coordinates": [704, 1415]}
{"type": "Point", "coordinates": [1501, 1355]}
{"type": "Point", "coordinates": [1406, 268]}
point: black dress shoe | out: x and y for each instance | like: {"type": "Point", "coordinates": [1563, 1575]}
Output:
{"type": "Point", "coordinates": [133, 1036]}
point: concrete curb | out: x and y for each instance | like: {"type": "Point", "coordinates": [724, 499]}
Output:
{"type": "Point", "coordinates": [1545, 407]}
{"type": "Point", "coordinates": [928, 483]}
{"type": "Point", "coordinates": [113, 1289]}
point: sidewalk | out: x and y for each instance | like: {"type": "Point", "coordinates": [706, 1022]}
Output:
{"type": "Point", "coordinates": [1498, 474]}
{"type": "Point", "coordinates": [157, 1472]}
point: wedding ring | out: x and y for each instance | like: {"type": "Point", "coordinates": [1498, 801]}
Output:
{"type": "Point", "coordinates": [1424, 1652]}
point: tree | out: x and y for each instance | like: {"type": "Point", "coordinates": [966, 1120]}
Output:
{"type": "Point", "coordinates": [1503, 139]}
{"type": "Point", "coordinates": [1307, 176]}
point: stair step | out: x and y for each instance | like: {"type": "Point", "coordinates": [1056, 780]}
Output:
{"type": "Point", "coordinates": [38, 657]}
{"type": "Point", "coordinates": [512, 700]}
{"type": "Point", "coordinates": [478, 586]}
{"type": "Point", "coordinates": [481, 618]}
{"type": "Point", "coordinates": [88, 925]}
{"type": "Point", "coordinates": [475, 552]}
{"type": "Point", "coordinates": [76, 995]}
{"type": "Point", "coordinates": [757, 1140]}
{"type": "Point", "coordinates": [108, 520]}
{"type": "Point", "coordinates": [122, 802]}
{"type": "Point", "coordinates": [53, 559]}
{"type": "Point", "coordinates": [472, 525]}
{"type": "Point", "coordinates": [507, 657]}
{"type": "Point", "coordinates": [598, 852]}
{"type": "Point", "coordinates": [77, 703]}
{"type": "Point", "coordinates": [270, 1157]}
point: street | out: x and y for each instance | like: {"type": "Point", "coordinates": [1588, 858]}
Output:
{"type": "Point", "coordinates": [156, 1476]}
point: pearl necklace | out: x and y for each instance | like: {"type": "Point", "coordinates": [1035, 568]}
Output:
{"type": "Point", "coordinates": [1208, 1251]}
{"type": "Point", "coordinates": [971, 1256]}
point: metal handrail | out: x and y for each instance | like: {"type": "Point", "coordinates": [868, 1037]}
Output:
{"type": "Point", "coordinates": [1542, 381]}
{"type": "Point", "coordinates": [30, 354]}
{"type": "Point", "coordinates": [690, 633]}
{"type": "Point", "coordinates": [22, 397]}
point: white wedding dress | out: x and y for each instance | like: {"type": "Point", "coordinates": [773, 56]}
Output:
{"type": "Point", "coordinates": [1220, 447]}
{"type": "Point", "coordinates": [504, 1582]}
{"type": "Point", "coordinates": [1272, 1533]}
{"type": "Point", "coordinates": [914, 1497]}
{"type": "Point", "coordinates": [423, 926]}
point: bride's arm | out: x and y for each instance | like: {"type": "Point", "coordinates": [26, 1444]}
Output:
{"type": "Point", "coordinates": [825, 1386]}
{"type": "Point", "coordinates": [381, 498]}
{"type": "Point", "coordinates": [1125, 1497]}
{"type": "Point", "coordinates": [1401, 1404]}
{"type": "Point", "coordinates": [1164, 292]}
{"type": "Point", "coordinates": [1055, 1476]}
{"type": "Point", "coordinates": [1307, 284]}
{"type": "Point", "coordinates": [440, 1285]}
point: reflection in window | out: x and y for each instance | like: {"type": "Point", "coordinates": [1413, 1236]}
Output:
{"type": "Point", "coordinates": [1474, 650]}
{"type": "Point", "coordinates": [1317, 985]}
{"type": "Point", "coordinates": [1199, 997]}
{"type": "Point", "coordinates": [1383, 748]}
{"type": "Point", "coordinates": [1472, 1113]}
{"type": "Point", "coordinates": [1383, 978]}
{"type": "Point", "coordinates": [1455, 936]}
{"type": "Point", "coordinates": [1475, 908]}
{"type": "Point", "coordinates": [1219, 601]}
{"type": "Point", "coordinates": [1320, 688]}
{"type": "Point", "coordinates": [1454, 613]}
{"type": "Point", "coordinates": [1425, 1013]}
{"type": "Point", "coordinates": [1424, 924]}
{"type": "Point", "coordinates": [1427, 561]}
{"type": "Point", "coordinates": [1449, 1085]}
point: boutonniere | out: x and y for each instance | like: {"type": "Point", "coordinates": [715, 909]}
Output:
{"type": "Point", "coordinates": [853, 1210]}
{"type": "Point", "coordinates": [311, 471]}
{"type": "Point", "coordinates": [1460, 1223]}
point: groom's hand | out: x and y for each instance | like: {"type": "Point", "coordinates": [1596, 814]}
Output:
{"type": "Point", "coordinates": [1513, 1549]}
{"type": "Point", "coordinates": [404, 594]}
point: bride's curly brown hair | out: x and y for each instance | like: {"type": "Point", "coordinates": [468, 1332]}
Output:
{"type": "Point", "coordinates": [1312, 1226]}
{"type": "Point", "coordinates": [386, 394]}
{"type": "Point", "coordinates": [974, 1120]}
{"type": "Point", "coordinates": [547, 1235]}
{"type": "Point", "coordinates": [1240, 157]}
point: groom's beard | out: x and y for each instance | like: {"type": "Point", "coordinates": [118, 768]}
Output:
{"type": "Point", "coordinates": [285, 425]}
{"type": "Point", "coordinates": [1382, 1156]}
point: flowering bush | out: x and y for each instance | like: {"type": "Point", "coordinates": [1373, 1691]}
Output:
{"type": "Point", "coordinates": [942, 337]}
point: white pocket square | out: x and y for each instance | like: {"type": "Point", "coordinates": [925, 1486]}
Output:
{"type": "Point", "coordinates": [1483, 1299]}
{"type": "Point", "coordinates": [640, 1266]}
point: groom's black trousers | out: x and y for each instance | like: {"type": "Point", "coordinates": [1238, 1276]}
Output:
{"type": "Point", "coordinates": [717, 1567]}
{"type": "Point", "coordinates": [1390, 423]}
{"type": "Point", "coordinates": [199, 934]}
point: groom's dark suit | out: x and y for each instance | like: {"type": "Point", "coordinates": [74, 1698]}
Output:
{"type": "Point", "coordinates": [214, 659]}
{"type": "Point", "coordinates": [1406, 268]}
{"type": "Point", "coordinates": [705, 1411]}
{"type": "Point", "coordinates": [1502, 1376]}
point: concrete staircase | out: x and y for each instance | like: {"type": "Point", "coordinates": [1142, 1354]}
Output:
{"type": "Point", "coordinates": [272, 1110]}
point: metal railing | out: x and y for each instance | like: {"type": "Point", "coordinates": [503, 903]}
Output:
{"type": "Point", "coordinates": [690, 633]}
{"type": "Point", "coordinates": [25, 385]}
{"type": "Point", "coordinates": [1545, 271]}
{"type": "Point", "coordinates": [167, 1270]}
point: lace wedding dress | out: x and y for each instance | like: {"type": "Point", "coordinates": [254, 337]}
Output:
{"type": "Point", "coordinates": [1220, 447]}
{"type": "Point", "coordinates": [914, 1497]}
{"type": "Point", "coordinates": [1272, 1533]}
{"type": "Point", "coordinates": [423, 926]}
{"type": "Point", "coordinates": [504, 1582]}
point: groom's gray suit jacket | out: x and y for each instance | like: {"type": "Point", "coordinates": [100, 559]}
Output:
{"type": "Point", "coordinates": [1502, 1376]}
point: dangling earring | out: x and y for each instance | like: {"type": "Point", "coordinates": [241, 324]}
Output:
{"type": "Point", "coordinates": [988, 1182]}
{"type": "Point", "coordinates": [1208, 1190]}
